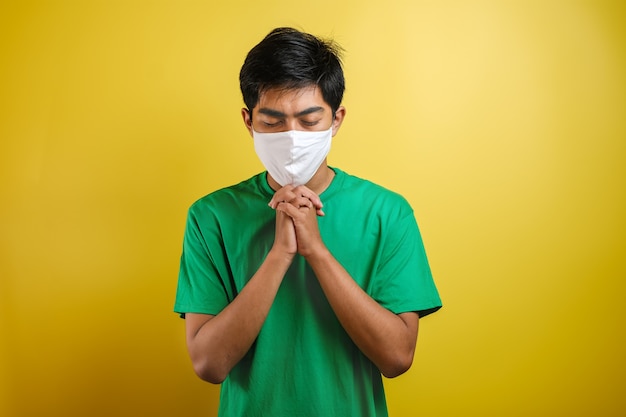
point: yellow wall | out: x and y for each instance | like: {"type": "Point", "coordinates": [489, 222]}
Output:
{"type": "Point", "coordinates": [503, 123]}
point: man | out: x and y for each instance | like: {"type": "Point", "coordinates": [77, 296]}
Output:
{"type": "Point", "coordinates": [302, 284]}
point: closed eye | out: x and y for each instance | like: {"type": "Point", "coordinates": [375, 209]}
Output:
{"type": "Point", "coordinates": [268, 124]}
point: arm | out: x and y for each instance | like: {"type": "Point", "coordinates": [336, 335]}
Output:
{"type": "Point", "coordinates": [217, 343]}
{"type": "Point", "coordinates": [387, 339]}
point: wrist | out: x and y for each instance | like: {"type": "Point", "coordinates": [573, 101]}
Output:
{"type": "Point", "coordinates": [317, 254]}
{"type": "Point", "coordinates": [280, 256]}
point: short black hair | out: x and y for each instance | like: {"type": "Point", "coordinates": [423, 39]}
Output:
{"type": "Point", "coordinates": [290, 59]}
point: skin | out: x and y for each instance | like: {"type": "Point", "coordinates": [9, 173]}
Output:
{"type": "Point", "coordinates": [217, 343]}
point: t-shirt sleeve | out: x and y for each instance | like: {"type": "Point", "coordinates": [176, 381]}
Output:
{"type": "Point", "coordinates": [200, 286]}
{"type": "Point", "coordinates": [404, 279]}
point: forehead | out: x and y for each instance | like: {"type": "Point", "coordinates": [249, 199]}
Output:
{"type": "Point", "coordinates": [291, 101]}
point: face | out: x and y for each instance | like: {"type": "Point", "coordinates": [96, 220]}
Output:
{"type": "Point", "coordinates": [282, 110]}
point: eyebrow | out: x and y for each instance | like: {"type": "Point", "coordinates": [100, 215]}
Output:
{"type": "Point", "coordinates": [278, 114]}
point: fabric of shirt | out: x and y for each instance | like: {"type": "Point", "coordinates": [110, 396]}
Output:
{"type": "Point", "coordinates": [303, 363]}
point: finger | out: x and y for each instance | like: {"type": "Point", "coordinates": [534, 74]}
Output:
{"type": "Point", "coordinates": [304, 191]}
{"type": "Point", "coordinates": [318, 211]}
{"type": "Point", "coordinates": [284, 194]}
{"type": "Point", "coordinates": [287, 208]}
{"type": "Point", "coordinates": [299, 202]}
{"type": "Point", "coordinates": [305, 202]}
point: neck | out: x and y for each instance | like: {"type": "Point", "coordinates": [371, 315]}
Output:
{"type": "Point", "coordinates": [321, 180]}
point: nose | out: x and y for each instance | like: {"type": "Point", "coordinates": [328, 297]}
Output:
{"type": "Point", "coordinates": [291, 124]}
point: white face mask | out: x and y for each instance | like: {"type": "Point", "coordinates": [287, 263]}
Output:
{"type": "Point", "coordinates": [292, 157]}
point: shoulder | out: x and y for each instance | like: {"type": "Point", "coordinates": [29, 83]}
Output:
{"type": "Point", "coordinates": [225, 199]}
{"type": "Point", "coordinates": [371, 194]}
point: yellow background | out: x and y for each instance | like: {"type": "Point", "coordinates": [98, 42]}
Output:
{"type": "Point", "coordinates": [502, 122]}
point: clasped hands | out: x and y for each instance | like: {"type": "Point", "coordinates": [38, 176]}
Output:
{"type": "Point", "coordinates": [297, 231]}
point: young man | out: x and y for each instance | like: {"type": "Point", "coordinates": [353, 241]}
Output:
{"type": "Point", "coordinates": [302, 284]}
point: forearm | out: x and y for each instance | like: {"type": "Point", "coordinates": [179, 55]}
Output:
{"type": "Point", "coordinates": [387, 339]}
{"type": "Point", "coordinates": [217, 343]}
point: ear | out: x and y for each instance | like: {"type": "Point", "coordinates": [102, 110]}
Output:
{"type": "Point", "coordinates": [247, 119]}
{"type": "Point", "coordinates": [340, 114]}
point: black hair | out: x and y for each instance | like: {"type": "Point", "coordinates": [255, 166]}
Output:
{"type": "Point", "coordinates": [289, 59]}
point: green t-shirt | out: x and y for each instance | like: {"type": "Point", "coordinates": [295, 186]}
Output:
{"type": "Point", "coordinates": [303, 363]}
